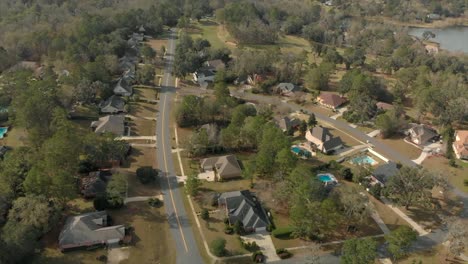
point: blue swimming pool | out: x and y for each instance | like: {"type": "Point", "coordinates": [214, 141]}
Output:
{"type": "Point", "coordinates": [3, 131]}
{"type": "Point", "coordinates": [301, 151]}
{"type": "Point", "coordinates": [361, 160]}
{"type": "Point", "coordinates": [326, 178]}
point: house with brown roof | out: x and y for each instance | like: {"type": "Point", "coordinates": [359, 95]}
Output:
{"type": "Point", "coordinates": [460, 145]}
{"type": "Point", "coordinates": [331, 100]}
{"type": "Point", "coordinates": [321, 139]}
{"type": "Point", "coordinates": [225, 167]}
{"type": "Point", "coordinates": [384, 106]}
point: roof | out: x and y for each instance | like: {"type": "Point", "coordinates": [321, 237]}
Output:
{"type": "Point", "coordinates": [114, 101]}
{"type": "Point", "coordinates": [331, 99]}
{"type": "Point", "coordinates": [323, 135]}
{"type": "Point", "coordinates": [216, 64]}
{"type": "Point", "coordinates": [205, 72]}
{"type": "Point", "coordinates": [226, 166]}
{"type": "Point", "coordinates": [123, 84]}
{"type": "Point", "coordinates": [423, 133]}
{"type": "Point", "coordinates": [287, 87]}
{"type": "Point", "coordinates": [385, 171]}
{"type": "Point", "coordinates": [461, 145]}
{"type": "Point", "coordinates": [286, 123]}
{"type": "Point", "coordinates": [332, 143]}
{"type": "Point", "coordinates": [89, 229]}
{"type": "Point", "coordinates": [110, 123]}
{"type": "Point", "coordinates": [244, 207]}
{"type": "Point", "coordinates": [384, 106]}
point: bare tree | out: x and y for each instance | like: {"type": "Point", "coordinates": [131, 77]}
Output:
{"type": "Point", "coordinates": [457, 236]}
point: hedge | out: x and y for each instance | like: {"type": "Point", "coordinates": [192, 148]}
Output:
{"type": "Point", "coordinates": [282, 232]}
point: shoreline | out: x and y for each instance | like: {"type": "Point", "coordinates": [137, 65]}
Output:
{"type": "Point", "coordinates": [439, 24]}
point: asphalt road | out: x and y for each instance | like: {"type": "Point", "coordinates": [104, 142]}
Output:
{"type": "Point", "coordinates": [186, 248]}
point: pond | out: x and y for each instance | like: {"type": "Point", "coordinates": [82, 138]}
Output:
{"type": "Point", "coordinates": [451, 38]}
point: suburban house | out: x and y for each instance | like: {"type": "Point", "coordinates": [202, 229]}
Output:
{"type": "Point", "coordinates": [421, 134]}
{"type": "Point", "coordinates": [90, 230]}
{"type": "Point", "coordinates": [123, 87]}
{"type": "Point", "coordinates": [215, 65]}
{"type": "Point", "coordinates": [286, 89]}
{"type": "Point", "coordinates": [226, 167]}
{"type": "Point", "coordinates": [110, 124]}
{"type": "Point", "coordinates": [383, 173]}
{"type": "Point", "coordinates": [460, 145]}
{"type": "Point", "coordinates": [331, 100]}
{"type": "Point", "coordinates": [127, 62]}
{"type": "Point", "coordinates": [113, 105]}
{"type": "Point", "coordinates": [384, 106]}
{"type": "Point", "coordinates": [321, 139]}
{"type": "Point", "coordinates": [286, 123]}
{"type": "Point", "coordinates": [244, 207]}
{"type": "Point", "coordinates": [204, 76]}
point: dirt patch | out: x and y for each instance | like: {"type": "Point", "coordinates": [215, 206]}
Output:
{"type": "Point", "coordinates": [117, 255]}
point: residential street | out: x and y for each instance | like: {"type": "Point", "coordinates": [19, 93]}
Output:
{"type": "Point", "coordinates": [186, 247]}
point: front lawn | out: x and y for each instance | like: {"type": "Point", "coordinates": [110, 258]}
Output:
{"type": "Point", "coordinates": [397, 143]}
{"type": "Point", "coordinates": [140, 157]}
{"type": "Point", "coordinates": [455, 175]}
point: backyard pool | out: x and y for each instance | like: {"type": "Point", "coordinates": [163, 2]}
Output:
{"type": "Point", "coordinates": [327, 178]}
{"type": "Point", "coordinates": [363, 160]}
{"type": "Point", "coordinates": [3, 131]}
{"type": "Point", "coordinates": [301, 151]}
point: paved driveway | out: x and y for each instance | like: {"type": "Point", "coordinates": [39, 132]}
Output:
{"type": "Point", "coordinates": [263, 240]}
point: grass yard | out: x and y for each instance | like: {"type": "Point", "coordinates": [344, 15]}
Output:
{"type": "Point", "coordinates": [211, 31]}
{"type": "Point", "coordinates": [143, 110]}
{"type": "Point", "coordinates": [142, 127]}
{"type": "Point", "coordinates": [436, 255]}
{"type": "Point", "coordinates": [456, 176]}
{"type": "Point", "coordinates": [52, 255]}
{"type": "Point", "coordinates": [15, 137]}
{"type": "Point", "coordinates": [157, 44]}
{"type": "Point", "coordinates": [398, 144]}
{"type": "Point", "coordinates": [390, 218]}
{"type": "Point", "coordinates": [147, 93]}
{"type": "Point", "coordinates": [347, 140]}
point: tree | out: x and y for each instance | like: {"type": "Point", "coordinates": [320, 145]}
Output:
{"type": "Point", "coordinates": [355, 204]}
{"type": "Point", "coordinates": [399, 241]}
{"type": "Point", "coordinates": [85, 92]}
{"type": "Point", "coordinates": [389, 123]}
{"type": "Point", "coordinates": [286, 162]}
{"type": "Point", "coordinates": [303, 127]}
{"type": "Point", "coordinates": [312, 122]}
{"type": "Point", "coordinates": [410, 186]}
{"type": "Point", "coordinates": [428, 35]}
{"type": "Point", "coordinates": [218, 247]}
{"type": "Point", "coordinates": [116, 191]}
{"type": "Point", "coordinates": [457, 236]}
{"type": "Point", "coordinates": [192, 185]}
{"type": "Point", "coordinates": [148, 53]}
{"type": "Point", "coordinates": [346, 174]}
{"type": "Point", "coordinates": [100, 203]}
{"type": "Point", "coordinates": [146, 174]}
{"type": "Point", "coordinates": [359, 251]}
{"type": "Point", "coordinates": [205, 214]}
{"type": "Point", "coordinates": [145, 75]}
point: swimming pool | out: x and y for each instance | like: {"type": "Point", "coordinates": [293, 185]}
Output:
{"type": "Point", "coordinates": [3, 131]}
{"type": "Point", "coordinates": [326, 177]}
{"type": "Point", "coordinates": [301, 151]}
{"type": "Point", "coordinates": [361, 160]}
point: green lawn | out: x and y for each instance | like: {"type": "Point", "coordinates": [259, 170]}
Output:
{"type": "Point", "coordinates": [456, 175]}
{"type": "Point", "coordinates": [211, 31]}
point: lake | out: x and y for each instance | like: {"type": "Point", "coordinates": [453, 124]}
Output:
{"type": "Point", "coordinates": [451, 38]}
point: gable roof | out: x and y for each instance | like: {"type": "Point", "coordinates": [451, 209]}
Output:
{"type": "Point", "coordinates": [287, 87]}
{"type": "Point", "coordinates": [422, 133]}
{"type": "Point", "coordinates": [123, 86]}
{"type": "Point", "coordinates": [286, 123]}
{"type": "Point", "coordinates": [226, 166]}
{"type": "Point", "coordinates": [89, 229]}
{"type": "Point", "coordinates": [331, 99]}
{"type": "Point", "coordinates": [110, 123]}
{"type": "Point", "coordinates": [114, 101]}
{"type": "Point", "coordinates": [242, 206]}
{"type": "Point", "coordinates": [384, 106]}
{"type": "Point", "coordinates": [216, 64]}
{"type": "Point", "coordinates": [332, 143]}
{"type": "Point", "coordinates": [385, 171]}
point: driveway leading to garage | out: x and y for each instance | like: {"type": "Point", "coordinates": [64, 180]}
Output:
{"type": "Point", "coordinates": [263, 240]}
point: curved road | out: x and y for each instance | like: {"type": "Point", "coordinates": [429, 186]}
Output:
{"type": "Point", "coordinates": [181, 230]}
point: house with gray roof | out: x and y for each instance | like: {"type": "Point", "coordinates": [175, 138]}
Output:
{"type": "Point", "coordinates": [286, 123]}
{"type": "Point", "coordinates": [204, 76]}
{"type": "Point", "coordinates": [215, 65]}
{"type": "Point", "coordinates": [226, 167]}
{"type": "Point", "coordinates": [114, 124]}
{"type": "Point", "coordinates": [123, 87]}
{"type": "Point", "coordinates": [321, 139]}
{"type": "Point", "coordinates": [384, 172]}
{"type": "Point", "coordinates": [244, 207]}
{"type": "Point", "coordinates": [113, 105]}
{"type": "Point", "coordinates": [421, 134]}
{"type": "Point", "coordinates": [90, 230]}
{"type": "Point", "coordinates": [286, 89]}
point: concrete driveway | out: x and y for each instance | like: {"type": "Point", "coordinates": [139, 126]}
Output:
{"type": "Point", "coordinates": [263, 240]}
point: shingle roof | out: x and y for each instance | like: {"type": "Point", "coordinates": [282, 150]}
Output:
{"type": "Point", "coordinates": [123, 83]}
{"type": "Point", "coordinates": [384, 106]}
{"type": "Point", "coordinates": [423, 133]}
{"type": "Point", "coordinates": [461, 146]}
{"type": "Point", "coordinates": [89, 229]}
{"type": "Point", "coordinates": [216, 64]}
{"type": "Point", "coordinates": [332, 99]}
{"type": "Point", "coordinates": [110, 123]}
{"type": "Point", "coordinates": [287, 87]}
{"type": "Point", "coordinates": [114, 101]}
{"type": "Point", "coordinates": [244, 207]}
{"type": "Point", "coordinates": [285, 123]}
{"type": "Point", "coordinates": [226, 166]}
{"type": "Point", "coordinates": [385, 171]}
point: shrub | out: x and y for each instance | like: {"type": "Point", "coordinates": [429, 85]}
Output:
{"type": "Point", "coordinates": [282, 232]}
{"type": "Point", "coordinates": [238, 228]}
{"type": "Point", "coordinates": [146, 174]}
{"type": "Point", "coordinates": [226, 221]}
{"type": "Point", "coordinates": [205, 214]}
{"type": "Point", "coordinates": [452, 162]}
{"type": "Point", "coordinates": [376, 190]}
{"type": "Point", "coordinates": [258, 257]}
{"type": "Point", "coordinates": [218, 247]}
{"type": "Point", "coordinates": [346, 174]}
{"type": "Point", "coordinates": [228, 230]}
{"type": "Point", "coordinates": [249, 246]}
{"type": "Point", "coordinates": [283, 253]}
{"type": "Point", "coordinates": [154, 202]}
{"type": "Point", "coordinates": [465, 182]}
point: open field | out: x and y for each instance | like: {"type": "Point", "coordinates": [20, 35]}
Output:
{"type": "Point", "coordinates": [213, 32]}
{"type": "Point", "coordinates": [143, 110]}
{"type": "Point", "coordinates": [456, 176]}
